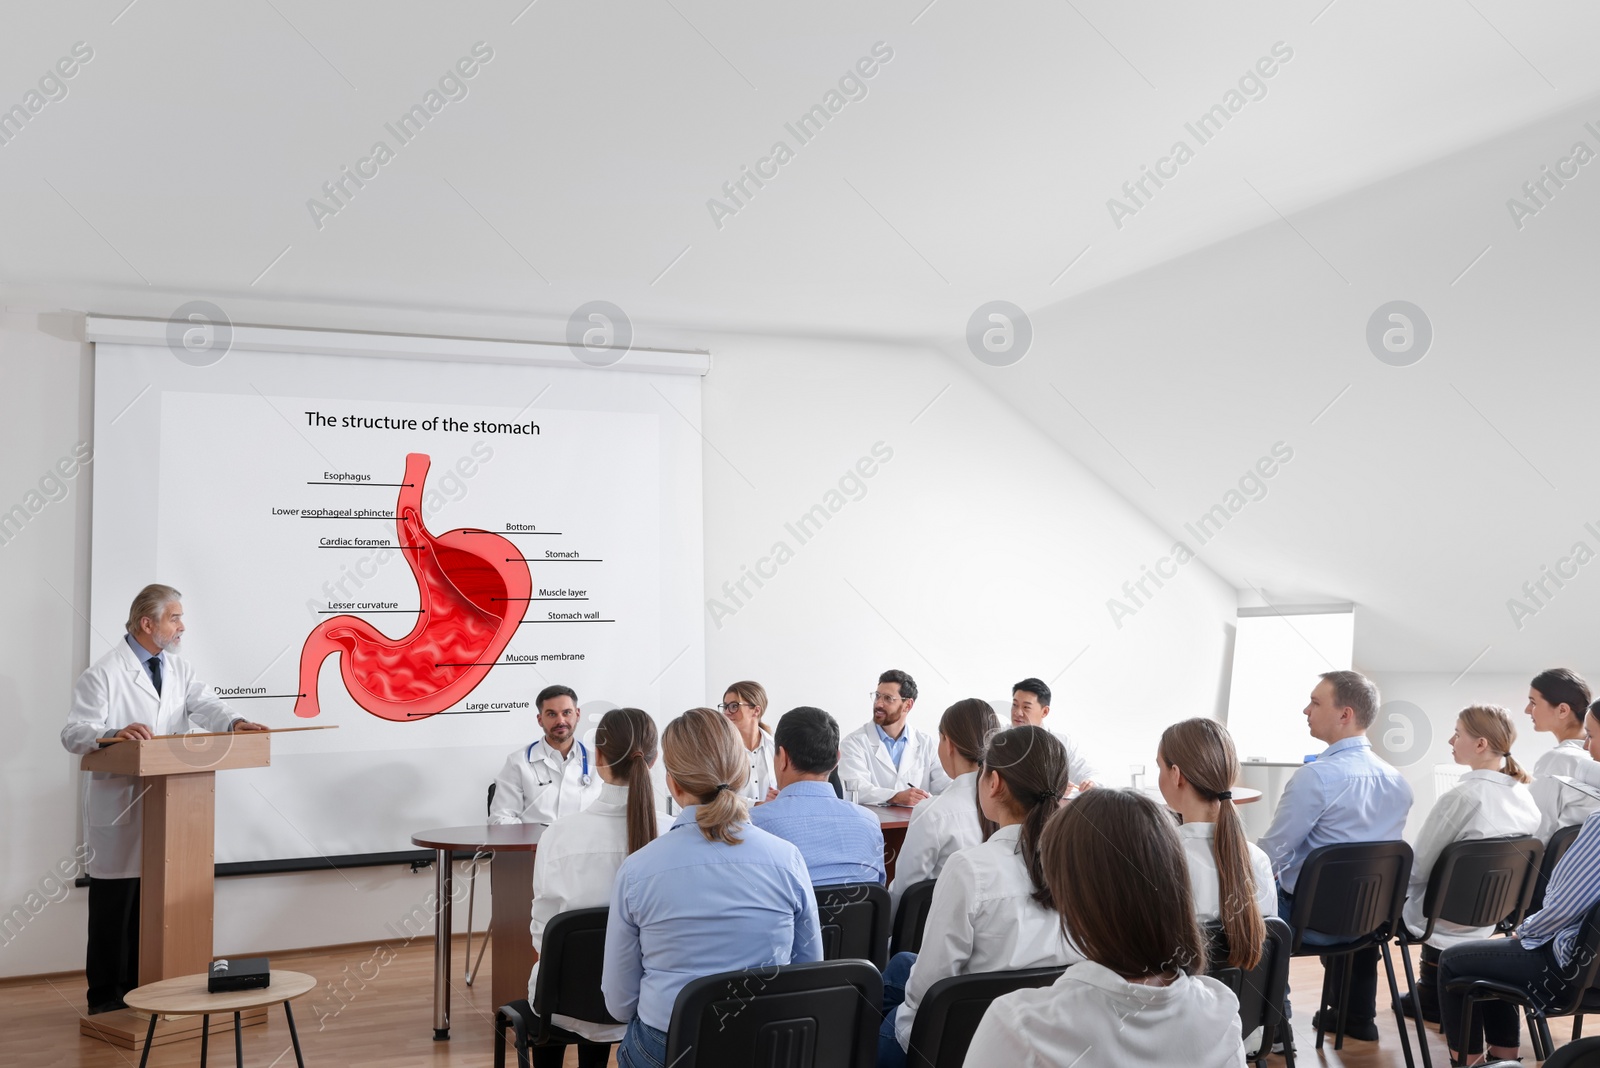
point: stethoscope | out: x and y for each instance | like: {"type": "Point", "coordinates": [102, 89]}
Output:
{"type": "Point", "coordinates": [583, 753]}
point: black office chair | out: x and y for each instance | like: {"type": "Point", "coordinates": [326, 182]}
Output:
{"type": "Point", "coordinates": [855, 922]}
{"type": "Point", "coordinates": [950, 1012]}
{"type": "Point", "coordinates": [570, 960]}
{"type": "Point", "coordinates": [911, 917]}
{"type": "Point", "coordinates": [1261, 990]}
{"type": "Point", "coordinates": [1352, 892]}
{"type": "Point", "coordinates": [1584, 1053]}
{"type": "Point", "coordinates": [1473, 883]}
{"type": "Point", "coordinates": [837, 784]}
{"type": "Point", "coordinates": [1585, 957]}
{"type": "Point", "coordinates": [819, 1015]}
{"type": "Point", "coordinates": [1560, 842]}
{"type": "Point", "coordinates": [472, 896]}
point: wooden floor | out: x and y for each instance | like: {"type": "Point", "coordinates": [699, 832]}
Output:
{"type": "Point", "coordinates": [387, 1020]}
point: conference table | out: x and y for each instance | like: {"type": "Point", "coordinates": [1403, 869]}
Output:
{"type": "Point", "coordinates": [511, 907]}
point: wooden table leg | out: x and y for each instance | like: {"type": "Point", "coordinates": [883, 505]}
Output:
{"type": "Point", "coordinates": [511, 893]}
{"type": "Point", "coordinates": [444, 891]}
{"type": "Point", "coordinates": [294, 1036]}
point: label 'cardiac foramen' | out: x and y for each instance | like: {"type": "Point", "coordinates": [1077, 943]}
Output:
{"type": "Point", "coordinates": [472, 586]}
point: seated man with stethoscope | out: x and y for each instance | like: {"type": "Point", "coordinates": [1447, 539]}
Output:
{"type": "Point", "coordinates": [551, 777]}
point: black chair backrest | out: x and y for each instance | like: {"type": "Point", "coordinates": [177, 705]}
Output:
{"type": "Point", "coordinates": [488, 806]}
{"type": "Point", "coordinates": [837, 784]}
{"type": "Point", "coordinates": [855, 922]}
{"type": "Point", "coordinates": [570, 961]}
{"type": "Point", "coordinates": [1584, 1053]}
{"type": "Point", "coordinates": [953, 1007]}
{"type": "Point", "coordinates": [911, 917]}
{"type": "Point", "coordinates": [1352, 892]}
{"type": "Point", "coordinates": [820, 1015]}
{"type": "Point", "coordinates": [1586, 959]}
{"type": "Point", "coordinates": [1560, 842]}
{"type": "Point", "coordinates": [1261, 989]}
{"type": "Point", "coordinates": [1481, 881]}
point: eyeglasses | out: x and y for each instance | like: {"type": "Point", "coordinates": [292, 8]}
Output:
{"type": "Point", "coordinates": [876, 696]}
{"type": "Point", "coordinates": [734, 706]}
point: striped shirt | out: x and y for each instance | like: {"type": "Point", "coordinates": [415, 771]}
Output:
{"type": "Point", "coordinates": [1574, 889]}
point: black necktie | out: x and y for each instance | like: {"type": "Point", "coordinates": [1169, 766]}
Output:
{"type": "Point", "coordinates": [155, 673]}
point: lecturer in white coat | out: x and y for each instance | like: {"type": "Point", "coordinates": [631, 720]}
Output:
{"type": "Point", "coordinates": [888, 761]}
{"type": "Point", "coordinates": [139, 689]}
{"type": "Point", "coordinates": [553, 776]}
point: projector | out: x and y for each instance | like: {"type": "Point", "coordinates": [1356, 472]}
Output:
{"type": "Point", "coordinates": [241, 973]}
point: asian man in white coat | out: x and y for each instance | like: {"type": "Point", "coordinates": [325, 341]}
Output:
{"type": "Point", "coordinates": [554, 775]}
{"type": "Point", "coordinates": [888, 761]}
{"type": "Point", "coordinates": [139, 689]}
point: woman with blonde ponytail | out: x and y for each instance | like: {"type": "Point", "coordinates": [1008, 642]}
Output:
{"type": "Point", "coordinates": [579, 855]}
{"type": "Point", "coordinates": [1230, 876]}
{"type": "Point", "coordinates": [714, 893]}
{"type": "Point", "coordinates": [1490, 801]}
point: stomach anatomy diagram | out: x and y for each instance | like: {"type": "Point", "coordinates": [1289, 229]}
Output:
{"type": "Point", "coordinates": [473, 587]}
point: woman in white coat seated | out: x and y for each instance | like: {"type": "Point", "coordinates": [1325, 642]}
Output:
{"type": "Point", "coordinates": [579, 855]}
{"type": "Point", "coordinates": [745, 705]}
{"type": "Point", "coordinates": [1119, 877]}
{"type": "Point", "coordinates": [1490, 801]}
{"type": "Point", "coordinates": [1557, 701]}
{"type": "Point", "coordinates": [942, 826]}
{"type": "Point", "coordinates": [991, 910]}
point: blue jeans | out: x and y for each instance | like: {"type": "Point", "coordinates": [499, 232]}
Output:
{"type": "Point", "coordinates": [642, 1047]}
{"type": "Point", "coordinates": [895, 977]}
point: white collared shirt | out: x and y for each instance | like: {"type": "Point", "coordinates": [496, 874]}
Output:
{"type": "Point", "coordinates": [761, 774]}
{"type": "Point", "coordinates": [538, 785]}
{"type": "Point", "coordinates": [1483, 804]}
{"type": "Point", "coordinates": [865, 765]}
{"type": "Point", "coordinates": [1200, 850]}
{"type": "Point", "coordinates": [983, 919]}
{"type": "Point", "coordinates": [1093, 1018]}
{"type": "Point", "coordinates": [573, 868]}
{"type": "Point", "coordinates": [1560, 805]}
{"type": "Point", "coordinates": [939, 828]}
{"type": "Point", "coordinates": [1079, 766]}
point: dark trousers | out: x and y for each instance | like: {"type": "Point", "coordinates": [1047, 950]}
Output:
{"type": "Point", "coordinates": [1428, 984]}
{"type": "Point", "coordinates": [589, 1056]}
{"type": "Point", "coordinates": [1504, 960]}
{"type": "Point", "coordinates": [111, 963]}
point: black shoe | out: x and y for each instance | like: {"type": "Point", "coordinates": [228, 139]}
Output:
{"type": "Point", "coordinates": [1409, 1006]}
{"type": "Point", "coordinates": [1363, 1030]}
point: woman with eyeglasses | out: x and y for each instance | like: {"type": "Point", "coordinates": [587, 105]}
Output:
{"type": "Point", "coordinates": [745, 704]}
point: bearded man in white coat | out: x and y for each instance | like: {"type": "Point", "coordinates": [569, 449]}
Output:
{"type": "Point", "coordinates": [139, 689]}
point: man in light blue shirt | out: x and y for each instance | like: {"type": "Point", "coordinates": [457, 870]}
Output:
{"type": "Point", "coordinates": [1346, 795]}
{"type": "Point", "coordinates": [841, 842]}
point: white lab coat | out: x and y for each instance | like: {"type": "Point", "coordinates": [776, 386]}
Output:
{"type": "Point", "coordinates": [537, 785]}
{"type": "Point", "coordinates": [574, 868]}
{"type": "Point", "coordinates": [1559, 804]}
{"type": "Point", "coordinates": [115, 692]}
{"type": "Point", "coordinates": [1200, 851]}
{"type": "Point", "coordinates": [864, 763]}
{"type": "Point", "coordinates": [940, 827]}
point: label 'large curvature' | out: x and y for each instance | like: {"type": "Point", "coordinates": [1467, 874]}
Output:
{"type": "Point", "coordinates": [473, 587]}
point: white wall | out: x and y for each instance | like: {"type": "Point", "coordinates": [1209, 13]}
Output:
{"type": "Point", "coordinates": [977, 554]}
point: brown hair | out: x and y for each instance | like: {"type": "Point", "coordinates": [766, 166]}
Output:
{"type": "Point", "coordinates": [1354, 691]}
{"type": "Point", "coordinates": [627, 740]}
{"type": "Point", "coordinates": [150, 603]}
{"type": "Point", "coordinates": [1563, 686]}
{"type": "Point", "coordinates": [1494, 725]}
{"type": "Point", "coordinates": [706, 758]}
{"type": "Point", "coordinates": [1203, 750]}
{"type": "Point", "coordinates": [1121, 884]}
{"type": "Point", "coordinates": [969, 724]}
{"type": "Point", "coordinates": [1032, 763]}
{"type": "Point", "coordinates": [755, 694]}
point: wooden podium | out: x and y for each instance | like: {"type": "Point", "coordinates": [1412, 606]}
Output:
{"type": "Point", "coordinates": [178, 788]}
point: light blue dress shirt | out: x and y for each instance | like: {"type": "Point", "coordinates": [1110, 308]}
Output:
{"type": "Point", "coordinates": [683, 907]}
{"type": "Point", "coordinates": [1574, 888]}
{"type": "Point", "coordinates": [841, 842]}
{"type": "Point", "coordinates": [145, 656]}
{"type": "Point", "coordinates": [896, 746]}
{"type": "Point", "coordinates": [1346, 795]}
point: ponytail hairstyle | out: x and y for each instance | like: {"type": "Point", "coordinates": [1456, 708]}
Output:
{"type": "Point", "coordinates": [1032, 763]}
{"type": "Point", "coordinates": [968, 725]}
{"type": "Point", "coordinates": [1121, 884]}
{"type": "Point", "coordinates": [1493, 724]}
{"type": "Point", "coordinates": [707, 759]}
{"type": "Point", "coordinates": [1203, 750]}
{"type": "Point", "coordinates": [1562, 686]}
{"type": "Point", "coordinates": [752, 693]}
{"type": "Point", "coordinates": [627, 739]}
